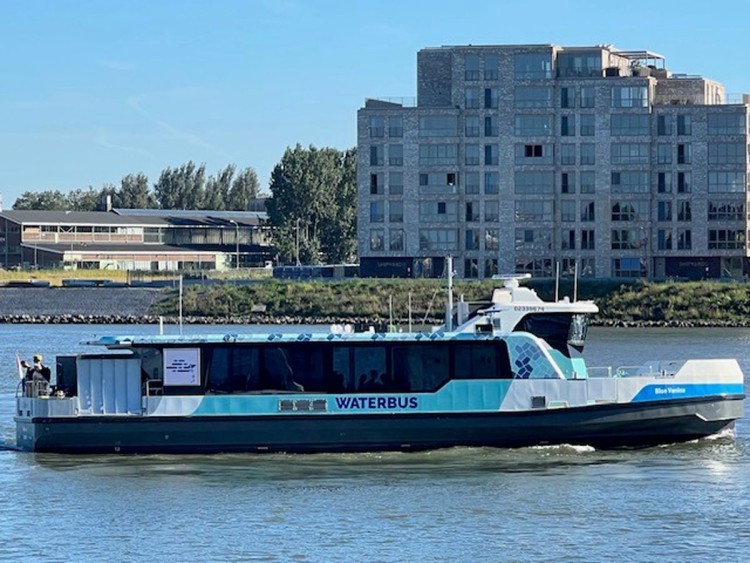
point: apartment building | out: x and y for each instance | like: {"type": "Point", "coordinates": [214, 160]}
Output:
{"type": "Point", "coordinates": [529, 158]}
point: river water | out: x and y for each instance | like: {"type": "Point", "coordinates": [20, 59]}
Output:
{"type": "Point", "coordinates": [688, 502]}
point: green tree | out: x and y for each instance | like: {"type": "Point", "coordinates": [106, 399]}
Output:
{"type": "Point", "coordinates": [245, 187]}
{"type": "Point", "coordinates": [134, 192]}
{"type": "Point", "coordinates": [181, 188]}
{"type": "Point", "coordinates": [217, 189]}
{"type": "Point", "coordinates": [313, 204]}
{"type": "Point", "coordinates": [48, 200]}
{"type": "Point", "coordinates": [90, 199]}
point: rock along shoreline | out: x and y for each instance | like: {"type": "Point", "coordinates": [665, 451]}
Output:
{"type": "Point", "coordinates": [264, 319]}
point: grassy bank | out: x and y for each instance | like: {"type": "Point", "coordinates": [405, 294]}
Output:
{"type": "Point", "coordinates": [716, 303]}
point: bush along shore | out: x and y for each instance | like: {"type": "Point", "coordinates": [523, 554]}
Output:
{"type": "Point", "coordinates": [374, 302]}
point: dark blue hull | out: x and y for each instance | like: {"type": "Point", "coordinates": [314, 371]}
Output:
{"type": "Point", "coordinates": [601, 426]}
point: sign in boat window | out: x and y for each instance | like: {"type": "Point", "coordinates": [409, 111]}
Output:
{"type": "Point", "coordinates": [182, 366]}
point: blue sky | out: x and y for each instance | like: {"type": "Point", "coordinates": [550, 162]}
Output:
{"type": "Point", "coordinates": [93, 90]}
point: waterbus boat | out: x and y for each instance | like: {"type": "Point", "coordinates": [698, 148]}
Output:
{"type": "Point", "coordinates": [509, 376]}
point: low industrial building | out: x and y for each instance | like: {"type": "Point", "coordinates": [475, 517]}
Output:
{"type": "Point", "coordinates": [135, 239]}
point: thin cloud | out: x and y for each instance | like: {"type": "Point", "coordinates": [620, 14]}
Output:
{"type": "Point", "coordinates": [101, 139]}
{"type": "Point", "coordinates": [124, 66]}
{"type": "Point", "coordinates": [139, 102]}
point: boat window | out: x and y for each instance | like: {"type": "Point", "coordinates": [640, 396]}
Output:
{"type": "Point", "coordinates": [485, 360]}
{"type": "Point", "coordinates": [151, 363]}
{"type": "Point", "coordinates": [553, 328]}
{"type": "Point", "coordinates": [579, 326]}
{"type": "Point", "coordinates": [277, 372]}
{"type": "Point", "coordinates": [233, 369]}
{"type": "Point", "coordinates": [420, 366]}
{"type": "Point", "coordinates": [369, 368]}
{"type": "Point", "coordinates": [305, 365]}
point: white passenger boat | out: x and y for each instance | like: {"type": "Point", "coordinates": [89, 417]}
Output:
{"type": "Point", "coordinates": [510, 376]}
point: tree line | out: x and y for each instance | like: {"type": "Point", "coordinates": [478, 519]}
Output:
{"type": "Point", "coordinates": [182, 187]}
{"type": "Point", "coordinates": [312, 202]}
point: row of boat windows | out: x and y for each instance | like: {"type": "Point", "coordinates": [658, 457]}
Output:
{"type": "Point", "coordinates": [314, 367]}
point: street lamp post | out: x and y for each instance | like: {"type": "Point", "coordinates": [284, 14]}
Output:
{"type": "Point", "coordinates": [297, 241]}
{"type": "Point", "coordinates": [236, 242]}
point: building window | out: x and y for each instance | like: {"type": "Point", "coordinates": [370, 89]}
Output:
{"type": "Point", "coordinates": [533, 97]}
{"type": "Point", "coordinates": [664, 124]}
{"type": "Point", "coordinates": [377, 126]}
{"type": "Point", "coordinates": [726, 153]}
{"type": "Point", "coordinates": [472, 67]}
{"type": "Point", "coordinates": [431, 155]}
{"type": "Point", "coordinates": [684, 211]}
{"type": "Point", "coordinates": [664, 182]}
{"type": "Point", "coordinates": [587, 239]}
{"type": "Point", "coordinates": [568, 211]}
{"type": "Point", "coordinates": [377, 186]}
{"type": "Point", "coordinates": [567, 154]}
{"type": "Point", "coordinates": [396, 183]}
{"type": "Point", "coordinates": [533, 239]}
{"type": "Point", "coordinates": [471, 96]}
{"type": "Point", "coordinates": [471, 155]}
{"type": "Point", "coordinates": [537, 267]}
{"type": "Point", "coordinates": [663, 154]}
{"type": "Point", "coordinates": [437, 183]}
{"type": "Point", "coordinates": [568, 239]}
{"type": "Point", "coordinates": [534, 183]}
{"type": "Point", "coordinates": [491, 155]}
{"type": "Point", "coordinates": [567, 125]}
{"type": "Point", "coordinates": [629, 124]}
{"type": "Point", "coordinates": [628, 239]}
{"type": "Point", "coordinates": [438, 239]}
{"type": "Point", "coordinates": [588, 127]}
{"type": "Point", "coordinates": [472, 182]}
{"type": "Point", "coordinates": [579, 64]}
{"type": "Point", "coordinates": [630, 153]}
{"type": "Point", "coordinates": [471, 268]}
{"type": "Point", "coordinates": [588, 98]}
{"type": "Point", "coordinates": [726, 124]}
{"type": "Point", "coordinates": [396, 211]}
{"type": "Point", "coordinates": [631, 267]}
{"type": "Point", "coordinates": [568, 182]}
{"type": "Point", "coordinates": [532, 210]}
{"type": "Point", "coordinates": [533, 65]}
{"type": "Point", "coordinates": [396, 155]}
{"type": "Point", "coordinates": [491, 183]}
{"type": "Point", "coordinates": [490, 67]}
{"type": "Point", "coordinates": [588, 182]}
{"type": "Point", "coordinates": [588, 154]}
{"type": "Point", "coordinates": [629, 96]}
{"type": "Point", "coordinates": [490, 267]}
{"type": "Point", "coordinates": [377, 211]}
{"type": "Point", "coordinates": [395, 126]}
{"type": "Point", "coordinates": [472, 211]}
{"type": "Point", "coordinates": [630, 211]}
{"type": "Point", "coordinates": [491, 211]}
{"type": "Point", "coordinates": [471, 126]}
{"type": "Point", "coordinates": [472, 239]}
{"type": "Point", "coordinates": [684, 125]}
{"type": "Point", "coordinates": [684, 240]}
{"type": "Point", "coordinates": [491, 126]}
{"type": "Point", "coordinates": [732, 181]}
{"type": "Point", "coordinates": [533, 125]}
{"type": "Point", "coordinates": [377, 239]}
{"type": "Point", "coordinates": [664, 211]}
{"type": "Point", "coordinates": [532, 151]}
{"type": "Point", "coordinates": [491, 98]}
{"type": "Point", "coordinates": [683, 183]}
{"type": "Point", "coordinates": [726, 239]}
{"type": "Point", "coordinates": [683, 153]}
{"type": "Point", "coordinates": [377, 155]}
{"type": "Point", "coordinates": [396, 239]}
{"type": "Point", "coordinates": [588, 211]}
{"type": "Point", "coordinates": [630, 182]}
{"type": "Point", "coordinates": [726, 211]}
{"type": "Point", "coordinates": [567, 97]}
{"type": "Point", "coordinates": [438, 126]}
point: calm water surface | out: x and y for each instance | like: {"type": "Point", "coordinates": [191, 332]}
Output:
{"type": "Point", "coordinates": [687, 502]}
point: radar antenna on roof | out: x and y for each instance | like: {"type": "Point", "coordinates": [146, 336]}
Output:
{"type": "Point", "coordinates": [511, 280]}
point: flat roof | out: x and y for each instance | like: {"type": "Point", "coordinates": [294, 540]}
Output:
{"type": "Point", "coordinates": [138, 218]}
